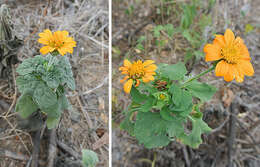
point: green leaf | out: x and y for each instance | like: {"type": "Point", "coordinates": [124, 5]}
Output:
{"type": "Point", "coordinates": [169, 29]}
{"type": "Point", "coordinates": [166, 114]}
{"type": "Point", "coordinates": [52, 122]}
{"type": "Point", "coordinates": [27, 82]}
{"type": "Point", "coordinates": [176, 92]}
{"type": "Point", "coordinates": [174, 72]}
{"type": "Point", "coordinates": [52, 78]}
{"type": "Point", "coordinates": [25, 105]}
{"type": "Point", "coordinates": [64, 102]}
{"type": "Point", "coordinates": [185, 105]}
{"type": "Point", "coordinates": [156, 31]}
{"type": "Point", "coordinates": [70, 83]}
{"type": "Point", "coordinates": [175, 128]}
{"type": "Point", "coordinates": [53, 111]}
{"type": "Point", "coordinates": [150, 129]}
{"type": "Point", "coordinates": [202, 91]}
{"type": "Point", "coordinates": [186, 34]}
{"type": "Point", "coordinates": [194, 138]}
{"type": "Point", "coordinates": [26, 67]}
{"type": "Point", "coordinates": [137, 97]}
{"type": "Point", "coordinates": [248, 28]}
{"type": "Point", "coordinates": [44, 96]}
{"type": "Point", "coordinates": [89, 158]}
{"type": "Point", "coordinates": [148, 104]}
{"type": "Point", "coordinates": [127, 124]}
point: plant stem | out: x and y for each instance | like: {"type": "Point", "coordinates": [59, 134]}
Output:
{"type": "Point", "coordinates": [198, 76]}
{"type": "Point", "coordinates": [154, 160]}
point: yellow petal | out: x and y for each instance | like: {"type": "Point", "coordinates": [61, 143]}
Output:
{"type": "Point", "coordinates": [123, 68]}
{"type": "Point", "coordinates": [127, 63]}
{"type": "Point", "coordinates": [45, 34]}
{"type": "Point", "coordinates": [246, 67]}
{"type": "Point", "coordinates": [128, 86]}
{"type": "Point", "coordinates": [239, 76]}
{"type": "Point", "coordinates": [123, 80]}
{"type": "Point", "coordinates": [150, 68]}
{"type": "Point", "coordinates": [148, 78]}
{"type": "Point", "coordinates": [148, 62]}
{"type": "Point", "coordinates": [243, 51]}
{"type": "Point", "coordinates": [65, 33]}
{"type": "Point", "coordinates": [219, 39]}
{"type": "Point", "coordinates": [230, 75]}
{"type": "Point", "coordinates": [44, 41]}
{"type": "Point", "coordinates": [229, 37]}
{"type": "Point", "coordinates": [62, 51]}
{"type": "Point", "coordinates": [221, 68]}
{"type": "Point", "coordinates": [212, 52]}
{"type": "Point", "coordinates": [46, 49]}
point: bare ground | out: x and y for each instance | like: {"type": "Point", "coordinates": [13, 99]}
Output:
{"type": "Point", "coordinates": [86, 125]}
{"type": "Point", "coordinates": [241, 131]}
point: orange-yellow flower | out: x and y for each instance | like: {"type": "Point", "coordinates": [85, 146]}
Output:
{"type": "Point", "coordinates": [57, 41]}
{"type": "Point", "coordinates": [233, 55]}
{"type": "Point", "coordinates": [137, 71]}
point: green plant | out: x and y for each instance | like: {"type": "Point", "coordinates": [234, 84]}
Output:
{"type": "Point", "coordinates": [89, 158]}
{"type": "Point", "coordinates": [162, 109]}
{"type": "Point", "coordinates": [42, 81]}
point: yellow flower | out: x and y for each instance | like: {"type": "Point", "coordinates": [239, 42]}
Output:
{"type": "Point", "coordinates": [57, 41]}
{"type": "Point", "coordinates": [233, 55]}
{"type": "Point", "coordinates": [136, 71]}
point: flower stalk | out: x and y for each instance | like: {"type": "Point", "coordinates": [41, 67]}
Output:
{"type": "Point", "coordinates": [198, 76]}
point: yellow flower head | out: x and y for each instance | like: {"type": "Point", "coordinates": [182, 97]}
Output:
{"type": "Point", "coordinates": [233, 55]}
{"type": "Point", "coordinates": [57, 41]}
{"type": "Point", "coordinates": [136, 71]}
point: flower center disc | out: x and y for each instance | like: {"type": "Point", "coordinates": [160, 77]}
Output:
{"type": "Point", "coordinates": [137, 70]}
{"type": "Point", "coordinates": [230, 54]}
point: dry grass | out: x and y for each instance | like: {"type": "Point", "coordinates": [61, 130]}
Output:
{"type": "Point", "coordinates": [87, 22]}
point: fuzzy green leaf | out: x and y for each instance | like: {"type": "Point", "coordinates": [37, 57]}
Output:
{"type": "Point", "coordinates": [44, 96]}
{"type": "Point", "coordinates": [150, 129]}
{"type": "Point", "coordinates": [26, 106]}
{"type": "Point", "coordinates": [27, 82]}
{"type": "Point", "coordinates": [65, 104]}
{"type": "Point", "coordinates": [89, 158]}
{"type": "Point", "coordinates": [174, 72]}
{"type": "Point", "coordinates": [26, 67]}
{"type": "Point", "coordinates": [202, 91]}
